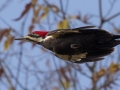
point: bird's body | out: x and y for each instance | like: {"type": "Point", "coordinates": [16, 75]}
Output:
{"type": "Point", "coordinates": [80, 44]}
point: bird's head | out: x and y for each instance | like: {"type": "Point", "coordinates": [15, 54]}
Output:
{"type": "Point", "coordinates": [36, 37]}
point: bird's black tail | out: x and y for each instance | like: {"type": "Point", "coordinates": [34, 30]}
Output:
{"type": "Point", "coordinates": [118, 39]}
{"type": "Point", "coordinates": [116, 36]}
{"type": "Point", "coordinates": [117, 42]}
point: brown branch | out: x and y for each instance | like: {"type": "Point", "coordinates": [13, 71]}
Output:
{"type": "Point", "coordinates": [62, 10]}
{"type": "Point", "coordinates": [100, 12]}
{"type": "Point", "coordinates": [112, 17]}
{"type": "Point", "coordinates": [5, 5]}
{"type": "Point", "coordinates": [111, 7]}
{"type": "Point", "coordinates": [11, 28]}
{"type": "Point", "coordinates": [12, 75]}
{"type": "Point", "coordinates": [21, 52]}
{"type": "Point", "coordinates": [100, 8]}
{"type": "Point", "coordinates": [49, 5]}
{"type": "Point", "coordinates": [58, 73]}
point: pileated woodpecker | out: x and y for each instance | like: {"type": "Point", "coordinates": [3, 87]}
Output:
{"type": "Point", "coordinates": [78, 45]}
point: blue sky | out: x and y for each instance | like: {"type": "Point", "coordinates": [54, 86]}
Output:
{"type": "Point", "coordinates": [14, 10]}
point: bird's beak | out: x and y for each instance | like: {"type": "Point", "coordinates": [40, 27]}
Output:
{"type": "Point", "coordinates": [23, 38]}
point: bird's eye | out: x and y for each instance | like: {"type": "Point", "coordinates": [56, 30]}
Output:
{"type": "Point", "coordinates": [36, 35]}
{"type": "Point", "coordinates": [33, 35]}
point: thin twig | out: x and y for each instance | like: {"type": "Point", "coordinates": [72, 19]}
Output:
{"type": "Point", "coordinates": [21, 52]}
{"type": "Point", "coordinates": [111, 7]}
{"type": "Point", "coordinates": [62, 9]}
{"type": "Point", "coordinates": [58, 73]}
{"type": "Point", "coordinates": [112, 17]}
{"type": "Point", "coordinates": [100, 12]}
{"type": "Point", "coordinates": [5, 5]}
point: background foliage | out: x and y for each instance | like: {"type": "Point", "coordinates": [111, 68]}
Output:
{"type": "Point", "coordinates": [26, 66]}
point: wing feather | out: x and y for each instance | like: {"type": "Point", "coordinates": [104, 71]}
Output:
{"type": "Point", "coordinates": [85, 30]}
{"type": "Point", "coordinates": [63, 31]}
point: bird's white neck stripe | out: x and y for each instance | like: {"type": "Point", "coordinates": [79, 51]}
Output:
{"type": "Point", "coordinates": [48, 37]}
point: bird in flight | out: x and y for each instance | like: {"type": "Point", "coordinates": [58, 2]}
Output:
{"type": "Point", "coordinates": [78, 45]}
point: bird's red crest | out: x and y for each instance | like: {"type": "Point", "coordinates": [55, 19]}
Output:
{"type": "Point", "coordinates": [41, 33]}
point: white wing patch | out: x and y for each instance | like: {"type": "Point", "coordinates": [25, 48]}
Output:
{"type": "Point", "coordinates": [73, 58]}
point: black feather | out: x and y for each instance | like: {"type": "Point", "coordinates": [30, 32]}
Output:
{"type": "Point", "coordinates": [97, 43]}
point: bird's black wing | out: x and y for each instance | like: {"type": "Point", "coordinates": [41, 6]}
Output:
{"type": "Point", "coordinates": [83, 30]}
{"type": "Point", "coordinates": [101, 35]}
{"type": "Point", "coordinates": [87, 30]}
{"type": "Point", "coordinates": [64, 31]}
